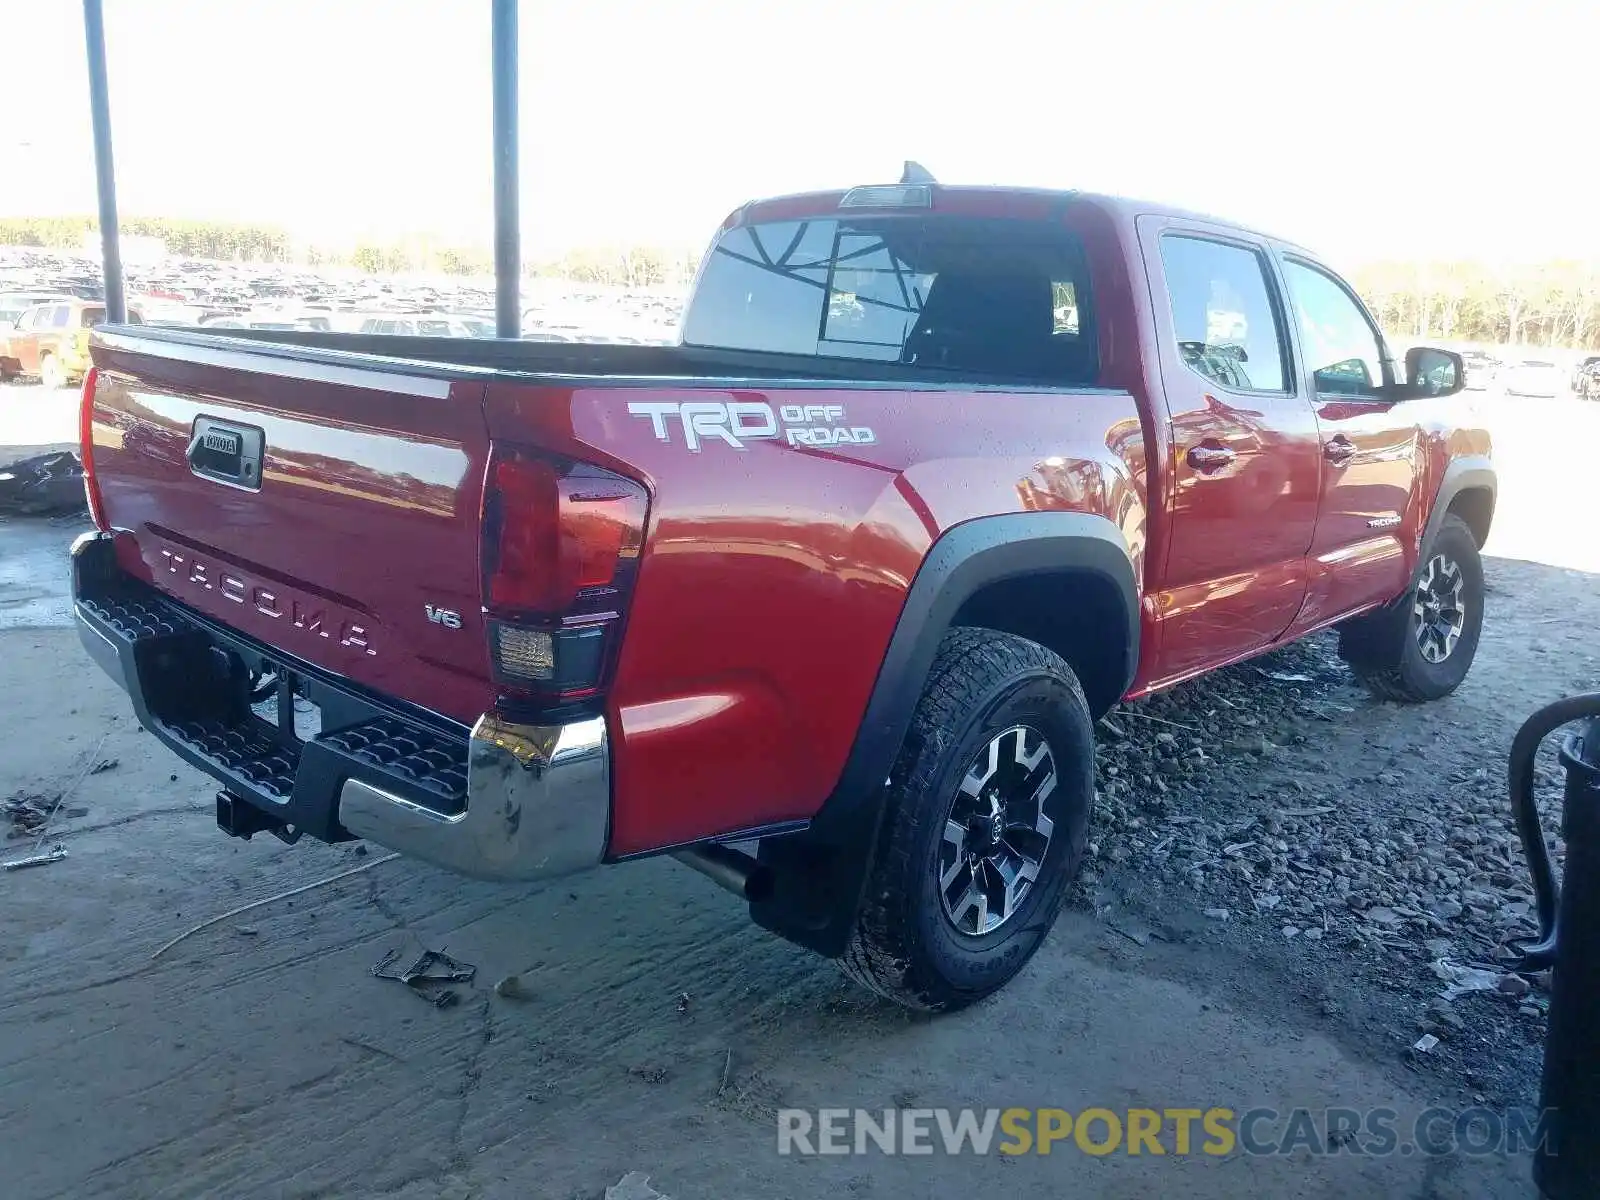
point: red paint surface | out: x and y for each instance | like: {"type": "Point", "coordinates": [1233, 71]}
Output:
{"type": "Point", "coordinates": [368, 513]}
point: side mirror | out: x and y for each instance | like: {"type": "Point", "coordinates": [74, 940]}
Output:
{"type": "Point", "coordinates": [1433, 372]}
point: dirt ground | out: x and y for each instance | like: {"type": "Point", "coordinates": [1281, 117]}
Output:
{"type": "Point", "coordinates": [657, 1031]}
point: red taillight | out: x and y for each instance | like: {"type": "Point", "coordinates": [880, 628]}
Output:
{"type": "Point", "coordinates": [561, 545]}
{"type": "Point", "coordinates": [524, 503]}
{"type": "Point", "coordinates": [91, 486]}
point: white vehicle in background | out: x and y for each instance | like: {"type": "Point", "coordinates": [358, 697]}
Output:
{"type": "Point", "coordinates": [419, 325]}
{"type": "Point", "coordinates": [14, 304]}
{"type": "Point", "coordinates": [1535, 377]}
{"type": "Point", "coordinates": [312, 323]}
{"type": "Point", "coordinates": [1481, 368]}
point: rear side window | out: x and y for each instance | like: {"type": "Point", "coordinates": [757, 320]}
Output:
{"type": "Point", "coordinates": [1222, 311]}
{"type": "Point", "coordinates": [958, 294]}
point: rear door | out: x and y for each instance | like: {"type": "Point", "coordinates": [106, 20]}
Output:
{"type": "Point", "coordinates": [326, 506]}
{"type": "Point", "coordinates": [1370, 450]}
{"type": "Point", "coordinates": [34, 330]}
{"type": "Point", "coordinates": [1243, 444]}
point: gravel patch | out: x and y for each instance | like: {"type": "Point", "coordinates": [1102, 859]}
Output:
{"type": "Point", "coordinates": [1277, 804]}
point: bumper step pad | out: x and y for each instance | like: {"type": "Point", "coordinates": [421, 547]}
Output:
{"type": "Point", "coordinates": [163, 650]}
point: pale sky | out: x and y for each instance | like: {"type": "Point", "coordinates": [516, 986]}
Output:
{"type": "Point", "coordinates": [1363, 128]}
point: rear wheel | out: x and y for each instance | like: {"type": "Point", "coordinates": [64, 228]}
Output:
{"type": "Point", "coordinates": [986, 818]}
{"type": "Point", "coordinates": [50, 372]}
{"type": "Point", "coordinates": [1421, 646]}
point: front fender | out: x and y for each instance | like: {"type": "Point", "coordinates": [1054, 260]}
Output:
{"type": "Point", "coordinates": [1474, 471]}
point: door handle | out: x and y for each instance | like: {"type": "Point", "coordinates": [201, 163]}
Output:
{"type": "Point", "coordinates": [1338, 450]}
{"type": "Point", "coordinates": [1210, 458]}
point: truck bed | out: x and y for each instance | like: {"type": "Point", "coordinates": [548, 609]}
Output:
{"type": "Point", "coordinates": [618, 363]}
{"type": "Point", "coordinates": [357, 564]}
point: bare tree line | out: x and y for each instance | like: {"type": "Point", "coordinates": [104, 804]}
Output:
{"type": "Point", "coordinates": [632, 266]}
{"type": "Point", "coordinates": [1554, 303]}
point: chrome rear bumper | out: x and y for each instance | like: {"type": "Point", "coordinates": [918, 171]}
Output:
{"type": "Point", "coordinates": [538, 799]}
{"type": "Point", "coordinates": [536, 802]}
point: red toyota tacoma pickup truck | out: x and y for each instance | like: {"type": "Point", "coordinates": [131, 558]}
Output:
{"type": "Point", "coordinates": [935, 478]}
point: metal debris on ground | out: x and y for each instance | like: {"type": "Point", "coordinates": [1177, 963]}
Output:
{"type": "Point", "coordinates": [427, 975]}
{"type": "Point", "coordinates": [27, 812]}
{"type": "Point", "coordinates": [1131, 929]}
{"type": "Point", "coordinates": [635, 1185]}
{"type": "Point", "coordinates": [1461, 980]}
{"type": "Point", "coordinates": [43, 484]}
{"type": "Point", "coordinates": [42, 828]}
{"type": "Point", "coordinates": [273, 899]}
{"type": "Point", "coordinates": [37, 860]}
{"type": "Point", "coordinates": [1425, 1043]}
{"type": "Point", "coordinates": [104, 765]}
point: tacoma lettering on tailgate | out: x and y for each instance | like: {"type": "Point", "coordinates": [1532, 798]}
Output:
{"type": "Point", "coordinates": [273, 602]}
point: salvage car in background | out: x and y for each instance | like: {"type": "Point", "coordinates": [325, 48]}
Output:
{"type": "Point", "coordinates": [1587, 382]}
{"type": "Point", "coordinates": [1481, 368]}
{"type": "Point", "coordinates": [14, 304]}
{"type": "Point", "coordinates": [51, 341]}
{"type": "Point", "coordinates": [1534, 377]}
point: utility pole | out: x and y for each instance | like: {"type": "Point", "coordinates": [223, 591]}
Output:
{"type": "Point", "coordinates": [105, 174]}
{"type": "Point", "coordinates": [507, 215]}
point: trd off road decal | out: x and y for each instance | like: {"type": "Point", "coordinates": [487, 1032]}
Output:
{"type": "Point", "coordinates": [736, 422]}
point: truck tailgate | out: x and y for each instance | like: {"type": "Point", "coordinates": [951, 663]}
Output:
{"type": "Point", "coordinates": [325, 504]}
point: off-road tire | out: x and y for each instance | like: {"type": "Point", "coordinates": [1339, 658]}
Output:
{"type": "Point", "coordinates": [982, 683]}
{"type": "Point", "coordinates": [50, 373]}
{"type": "Point", "coordinates": [1382, 647]}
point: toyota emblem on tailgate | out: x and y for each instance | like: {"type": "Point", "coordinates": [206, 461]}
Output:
{"type": "Point", "coordinates": [226, 453]}
{"type": "Point", "coordinates": [221, 441]}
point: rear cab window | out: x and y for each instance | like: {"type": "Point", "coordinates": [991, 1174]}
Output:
{"type": "Point", "coordinates": [954, 294]}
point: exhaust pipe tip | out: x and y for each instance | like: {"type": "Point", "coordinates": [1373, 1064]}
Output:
{"type": "Point", "coordinates": [731, 869]}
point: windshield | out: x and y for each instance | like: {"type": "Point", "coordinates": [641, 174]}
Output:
{"type": "Point", "coordinates": [994, 297]}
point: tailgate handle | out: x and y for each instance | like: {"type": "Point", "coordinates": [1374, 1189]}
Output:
{"type": "Point", "coordinates": [226, 453]}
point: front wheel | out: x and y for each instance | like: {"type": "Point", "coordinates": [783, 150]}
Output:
{"type": "Point", "coordinates": [1421, 646]}
{"type": "Point", "coordinates": [50, 372]}
{"type": "Point", "coordinates": [986, 817]}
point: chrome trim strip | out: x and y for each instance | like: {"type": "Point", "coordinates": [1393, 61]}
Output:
{"type": "Point", "coordinates": [283, 367]}
{"type": "Point", "coordinates": [538, 805]}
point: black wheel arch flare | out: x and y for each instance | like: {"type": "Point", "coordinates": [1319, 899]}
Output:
{"type": "Point", "coordinates": [819, 873]}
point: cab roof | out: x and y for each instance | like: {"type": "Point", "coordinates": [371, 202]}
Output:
{"type": "Point", "coordinates": [1013, 202]}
